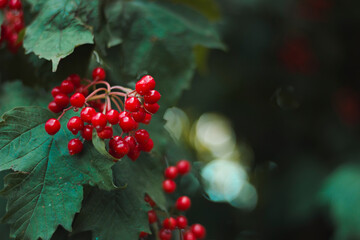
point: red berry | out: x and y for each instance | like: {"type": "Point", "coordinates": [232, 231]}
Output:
{"type": "Point", "coordinates": [153, 96]}
{"type": "Point", "coordinates": [145, 84]}
{"type": "Point", "coordinates": [113, 141]}
{"type": "Point", "coordinates": [148, 146]}
{"type": "Point", "coordinates": [98, 74]}
{"type": "Point", "coordinates": [106, 133]}
{"type": "Point", "coordinates": [152, 216]}
{"type": "Point", "coordinates": [130, 141]}
{"type": "Point", "coordinates": [151, 108]}
{"type": "Point", "coordinates": [171, 172]}
{"type": "Point", "coordinates": [55, 91]}
{"type": "Point", "coordinates": [75, 124]}
{"type": "Point", "coordinates": [121, 148]}
{"type": "Point", "coordinates": [52, 126]}
{"type": "Point", "coordinates": [198, 230]}
{"type": "Point", "coordinates": [143, 234]}
{"type": "Point", "coordinates": [147, 119]}
{"type": "Point", "coordinates": [54, 107]}
{"type": "Point", "coordinates": [15, 4]}
{"type": "Point", "coordinates": [87, 114]}
{"type": "Point", "coordinates": [67, 87]}
{"type": "Point", "coordinates": [148, 199]}
{"type": "Point", "coordinates": [132, 104]}
{"type": "Point", "coordinates": [75, 146]}
{"type": "Point", "coordinates": [169, 186]}
{"type": "Point", "coordinates": [165, 234]}
{"type": "Point", "coordinates": [87, 132]}
{"type": "Point", "coordinates": [189, 236]}
{"type": "Point", "coordinates": [62, 100]}
{"type": "Point", "coordinates": [3, 3]}
{"type": "Point", "coordinates": [183, 203]}
{"type": "Point", "coordinates": [169, 223]}
{"type": "Point", "coordinates": [142, 136]}
{"type": "Point", "coordinates": [183, 167]}
{"type": "Point", "coordinates": [181, 222]}
{"type": "Point", "coordinates": [75, 79]}
{"type": "Point", "coordinates": [77, 100]}
{"type": "Point", "coordinates": [134, 153]}
{"type": "Point", "coordinates": [124, 114]}
{"type": "Point", "coordinates": [99, 121]}
{"type": "Point", "coordinates": [127, 124]}
{"type": "Point", "coordinates": [112, 116]}
{"type": "Point", "coordinates": [139, 116]}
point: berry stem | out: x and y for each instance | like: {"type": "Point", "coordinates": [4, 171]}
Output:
{"type": "Point", "coordinates": [100, 82]}
{"type": "Point", "coordinates": [94, 93]}
{"type": "Point", "coordinates": [64, 111]}
{"type": "Point", "coordinates": [126, 90]}
{"type": "Point", "coordinates": [116, 104]}
{"type": "Point", "coordinates": [119, 99]}
{"type": "Point", "coordinates": [101, 96]}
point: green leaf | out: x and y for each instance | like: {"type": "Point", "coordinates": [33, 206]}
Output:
{"type": "Point", "coordinates": [100, 145]}
{"type": "Point", "coordinates": [341, 193]}
{"type": "Point", "coordinates": [15, 94]}
{"type": "Point", "coordinates": [46, 190]}
{"type": "Point", "coordinates": [159, 44]}
{"type": "Point", "coordinates": [57, 29]}
{"type": "Point", "coordinates": [122, 213]}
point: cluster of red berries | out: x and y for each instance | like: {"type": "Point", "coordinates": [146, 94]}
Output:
{"type": "Point", "coordinates": [183, 203]}
{"type": "Point", "coordinates": [138, 107]}
{"type": "Point", "coordinates": [13, 23]}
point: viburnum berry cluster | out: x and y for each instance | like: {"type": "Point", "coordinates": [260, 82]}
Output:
{"type": "Point", "coordinates": [132, 107]}
{"type": "Point", "coordinates": [177, 222]}
{"type": "Point", "coordinates": [13, 23]}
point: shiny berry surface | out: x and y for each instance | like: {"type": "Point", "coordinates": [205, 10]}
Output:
{"type": "Point", "coordinates": [183, 203]}
{"type": "Point", "coordinates": [139, 116]}
{"type": "Point", "coordinates": [54, 107]}
{"type": "Point", "coordinates": [145, 84]}
{"type": "Point", "coordinates": [87, 114]}
{"type": "Point", "coordinates": [169, 186]}
{"type": "Point", "coordinates": [55, 91]}
{"type": "Point", "coordinates": [171, 172]}
{"type": "Point", "coordinates": [99, 121]}
{"type": "Point", "coordinates": [153, 96]}
{"type": "Point", "coordinates": [198, 230]}
{"type": "Point", "coordinates": [62, 100]}
{"type": "Point", "coordinates": [148, 146]}
{"type": "Point", "coordinates": [132, 104]}
{"type": "Point", "coordinates": [87, 132]}
{"type": "Point", "coordinates": [169, 223]}
{"type": "Point", "coordinates": [147, 119]}
{"type": "Point", "coordinates": [181, 222]}
{"type": "Point", "coordinates": [121, 148]}
{"type": "Point", "coordinates": [189, 236]}
{"type": "Point", "coordinates": [127, 124]}
{"type": "Point", "coordinates": [52, 126]}
{"type": "Point", "coordinates": [15, 4]}
{"type": "Point", "coordinates": [183, 167]}
{"type": "Point", "coordinates": [151, 107]}
{"type": "Point", "coordinates": [75, 124]}
{"type": "Point", "coordinates": [98, 74]}
{"type": "Point", "coordinates": [67, 87]}
{"type": "Point", "coordinates": [75, 146]}
{"type": "Point", "coordinates": [165, 234]}
{"type": "Point", "coordinates": [112, 116]}
{"type": "Point", "coordinates": [77, 100]}
{"type": "Point", "coordinates": [142, 136]}
{"type": "Point", "coordinates": [106, 133]}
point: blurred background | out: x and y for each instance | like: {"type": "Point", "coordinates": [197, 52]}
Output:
{"type": "Point", "coordinates": [274, 121]}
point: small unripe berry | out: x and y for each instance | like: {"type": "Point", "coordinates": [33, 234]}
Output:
{"type": "Point", "coordinates": [183, 203]}
{"type": "Point", "coordinates": [52, 126]}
